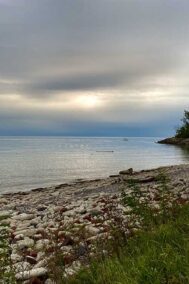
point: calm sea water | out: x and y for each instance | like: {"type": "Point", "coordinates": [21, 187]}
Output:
{"type": "Point", "coordinates": [30, 162]}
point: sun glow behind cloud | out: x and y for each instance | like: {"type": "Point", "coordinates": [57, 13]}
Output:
{"type": "Point", "coordinates": [87, 101]}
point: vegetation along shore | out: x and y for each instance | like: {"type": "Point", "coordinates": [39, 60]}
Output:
{"type": "Point", "coordinates": [182, 133]}
{"type": "Point", "coordinates": [55, 234]}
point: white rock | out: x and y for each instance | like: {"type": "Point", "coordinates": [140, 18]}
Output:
{"type": "Point", "coordinates": [31, 273]}
{"type": "Point", "coordinates": [16, 257]}
{"type": "Point", "coordinates": [40, 255]}
{"type": "Point", "coordinates": [41, 244]}
{"type": "Point", "coordinates": [76, 265]}
{"type": "Point", "coordinates": [185, 196]}
{"type": "Point", "coordinates": [49, 281]}
{"type": "Point", "coordinates": [41, 263]}
{"type": "Point", "coordinates": [69, 272]}
{"type": "Point", "coordinates": [56, 193]}
{"type": "Point", "coordinates": [5, 214]}
{"type": "Point", "coordinates": [21, 266]}
{"type": "Point", "coordinates": [92, 230]}
{"type": "Point", "coordinates": [69, 213]}
{"type": "Point", "coordinates": [66, 249]}
{"type": "Point", "coordinates": [27, 242]}
{"type": "Point", "coordinates": [24, 216]}
{"type": "Point", "coordinates": [18, 237]}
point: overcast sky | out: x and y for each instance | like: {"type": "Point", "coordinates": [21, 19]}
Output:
{"type": "Point", "coordinates": [85, 67]}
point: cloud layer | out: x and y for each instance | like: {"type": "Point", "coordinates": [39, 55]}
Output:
{"type": "Point", "coordinates": [101, 67]}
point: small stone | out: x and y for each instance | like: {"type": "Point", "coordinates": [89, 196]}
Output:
{"type": "Point", "coordinates": [16, 257]}
{"type": "Point", "coordinates": [23, 217]}
{"type": "Point", "coordinates": [19, 237]}
{"type": "Point", "coordinates": [49, 281]}
{"type": "Point", "coordinates": [185, 196]}
{"type": "Point", "coordinates": [21, 266]}
{"type": "Point", "coordinates": [41, 244]}
{"type": "Point", "coordinates": [5, 214]}
{"type": "Point", "coordinates": [95, 212]}
{"type": "Point", "coordinates": [41, 208]}
{"type": "Point", "coordinates": [26, 243]}
{"type": "Point", "coordinates": [41, 263]}
{"type": "Point", "coordinates": [31, 259]}
{"type": "Point", "coordinates": [40, 255]}
{"type": "Point", "coordinates": [93, 231]}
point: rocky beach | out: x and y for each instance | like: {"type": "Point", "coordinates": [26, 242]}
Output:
{"type": "Point", "coordinates": [73, 217]}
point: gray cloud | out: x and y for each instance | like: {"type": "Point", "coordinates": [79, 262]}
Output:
{"type": "Point", "coordinates": [133, 52]}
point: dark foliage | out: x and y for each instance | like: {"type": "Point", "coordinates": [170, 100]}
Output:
{"type": "Point", "coordinates": [183, 131]}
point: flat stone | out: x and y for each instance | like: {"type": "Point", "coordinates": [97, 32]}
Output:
{"type": "Point", "coordinates": [26, 232]}
{"type": "Point", "coordinates": [24, 216]}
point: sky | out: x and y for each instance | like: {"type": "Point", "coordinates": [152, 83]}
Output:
{"type": "Point", "coordinates": [93, 68]}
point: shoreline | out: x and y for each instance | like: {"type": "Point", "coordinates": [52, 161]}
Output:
{"type": "Point", "coordinates": [33, 217]}
{"type": "Point", "coordinates": [175, 141]}
{"type": "Point", "coordinates": [76, 183]}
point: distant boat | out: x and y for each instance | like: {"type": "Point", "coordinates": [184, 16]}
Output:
{"type": "Point", "coordinates": [125, 139]}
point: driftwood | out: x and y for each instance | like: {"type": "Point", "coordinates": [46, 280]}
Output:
{"type": "Point", "coordinates": [142, 180]}
{"type": "Point", "coordinates": [126, 172]}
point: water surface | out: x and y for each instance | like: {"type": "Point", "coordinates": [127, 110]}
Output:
{"type": "Point", "coordinates": [30, 162]}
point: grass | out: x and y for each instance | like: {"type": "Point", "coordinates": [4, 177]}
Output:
{"type": "Point", "coordinates": [6, 270]}
{"type": "Point", "coordinates": [150, 257]}
{"type": "Point", "coordinates": [157, 254]}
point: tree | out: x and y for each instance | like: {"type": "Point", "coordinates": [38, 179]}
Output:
{"type": "Point", "coordinates": [183, 131]}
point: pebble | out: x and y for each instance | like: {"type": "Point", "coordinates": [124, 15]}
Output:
{"type": "Point", "coordinates": [26, 243]}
